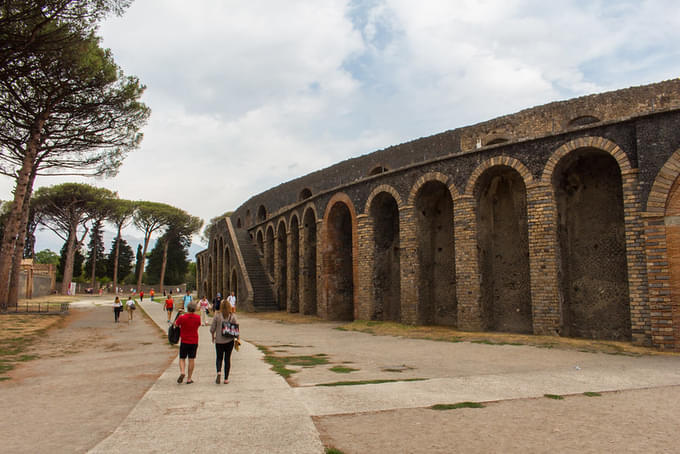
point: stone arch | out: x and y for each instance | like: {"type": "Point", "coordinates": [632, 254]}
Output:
{"type": "Point", "coordinates": [259, 240]}
{"type": "Point", "coordinates": [269, 249]}
{"type": "Point", "coordinates": [305, 193]}
{"type": "Point", "coordinates": [210, 277]}
{"type": "Point", "coordinates": [383, 213]}
{"type": "Point", "coordinates": [294, 264]}
{"type": "Point", "coordinates": [599, 143]}
{"type": "Point", "coordinates": [428, 177]}
{"type": "Point", "coordinates": [382, 188]}
{"type": "Point", "coordinates": [432, 202]}
{"type": "Point", "coordinates": [281, 261]}
{"type": "Point", "coordinates": [500, 195]}
{"type": "Point", "coordinates": [663, 224]}
{"type": "Point", "coordinates": [261, 213]}
{"type": "Point", "coordinates": [377, 170]}
{"type": "Point", "coordinates": [338, 268]}
{"type": "Point", "coordinates": [249, 218]}
{"type": "Point", "coordinates": [238, 223]}
{"type": "Point", "coordinates": [308, 242]}
{"type": "Point", "coordinates": [586, 177]}
{"type": "Point", "coordinates": [499, 161]}
{"type": "Point", "coordinates": [220, 265]}
{"type": "Point", "coordinates": [234, 283]}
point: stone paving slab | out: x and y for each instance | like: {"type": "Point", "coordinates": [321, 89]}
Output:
{"type": "Point", "coordinates": [256, 412]}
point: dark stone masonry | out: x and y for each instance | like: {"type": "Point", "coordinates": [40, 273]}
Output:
{"type": "Point", "coordinates": [562, 219]}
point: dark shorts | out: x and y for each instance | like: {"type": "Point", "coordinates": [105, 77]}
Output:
{"type": "Point", "coordinates": [187, 350]}
{"type": "Point", "coordinates": [169, 309]}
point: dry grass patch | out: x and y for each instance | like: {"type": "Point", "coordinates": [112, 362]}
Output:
{"type": "Point", "coordinates": [442, 333]}
{"type": "Point", "coordinates": [25, 329]}
{"type": "Point", "coordinates": [285, 317]}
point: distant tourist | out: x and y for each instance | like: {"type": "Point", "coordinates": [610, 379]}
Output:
{"type": "Point", "coordinates": [169, 306]}
{"type": "Point", "coordinates": [151, 294]}
{"type": "Point", "coordinates": [224, 343]}
{"type": "Point", "coordinates": [117, 308]}
{"type": "Point", "coordinates": [232, 301]}
{"type": "Point", "coordinates": [130, 306]}
{"type": "Point", "coordinates": [188, 333]}
{"type": "Point", "coordinates": [204, 305]}
{"type": "Point", "coordinates": [187, 299]}
{"type": "Point", "coordinates": [216, 302]}
{"type": "Point", "coordinates": [141, 295]}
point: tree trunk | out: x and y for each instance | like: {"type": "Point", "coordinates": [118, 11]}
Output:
{"type": "Point", "coordinates": [13, 294]}
{"type": "Point", "coordinates": [12, 227]}
{"type": "Point", "coordinates": [164, 263]}
{"type": "Point", "coordinates": [115, 263]}
{"type": "Point", "coordinates": [141, 265]}
{"type": "Point", "coordinates": [68, 263]}
{"type": "Point", "coordinates": [93, 275]}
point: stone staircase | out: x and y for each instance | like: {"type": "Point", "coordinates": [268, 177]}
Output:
{"type": "Point", "coordinates": [263, 295]}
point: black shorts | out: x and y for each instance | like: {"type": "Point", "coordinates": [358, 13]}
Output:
{"type": "Point", "coordinates": [169, 309]}
{"type": "Point", "coordinates": [187, 350]}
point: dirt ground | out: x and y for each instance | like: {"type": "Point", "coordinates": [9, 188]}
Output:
{"type": "Point", "coordinates": [89, 375]}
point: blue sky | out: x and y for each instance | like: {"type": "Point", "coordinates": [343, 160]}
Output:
{"type": "Point", "coordinates": [246, 95]}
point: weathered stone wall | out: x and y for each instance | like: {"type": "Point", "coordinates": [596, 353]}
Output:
{"type": "Point", "coordinates": [552, 221]}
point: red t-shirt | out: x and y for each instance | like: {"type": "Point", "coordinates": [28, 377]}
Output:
{"type": "Point", "coordinates": [188, 327]}
{"type": "Point", "coordinates": [169, 303]}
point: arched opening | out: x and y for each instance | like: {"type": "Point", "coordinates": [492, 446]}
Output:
{"type": "Point", "coordinates": [436, 255]}
{"type": "Point", "coordinates": [261, 213]}
{"type": "Point", "coordinates": [672, 228]}
{"type": "Point", "coordinates": [309, 263]}
{"type": "Point", "coordinates": [269, 252]}
{"type": "Point", "coordinates": [281, 262]}
{"type": "Point", "coordinates": [226, 266]}
{"type": "Point", "coordinates": [205, 289]}
{"type": "Point", "coordinates": [496, 141]}
{"type": "Point", "coordinates": [582, 121]}
{"type": "Point", "coordinates": [234, 284]}
{"type": "Point", "coordinates": [337, 263]}
{"type": "Point", "coordinates": [210, 280]}
{"type": "Point", "coordinates": [214, 267]}
{"type": "Point", "coordinates": [503, 244]}
{"type": "Point", "coordinates": [220, 266]}
{"type": "Point", "coordinates": [260, 242]}
{"type": "Point", "coordinates": [249, 218]}
{"type": "Point", "coordinates": [384, 214]}
{"type": "Point", "coordinates": [377, 170]}
{"type": "Point", "coordinates": [238, 223]}
{"type": "Point", "coordinates": [591, 234]}
{"type": "Point", "coordinates": [294, 232]}
{"type": "Point", "coordinates": [305, 194]}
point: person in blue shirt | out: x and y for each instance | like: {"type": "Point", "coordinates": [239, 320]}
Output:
{"type": "Point", "coordinates": [187, 299]}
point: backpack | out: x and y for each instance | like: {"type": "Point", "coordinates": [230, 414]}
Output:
{"type": "Point", "coordinates": [173, 332]}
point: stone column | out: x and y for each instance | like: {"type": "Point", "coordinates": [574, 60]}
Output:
{"type": "Point", "coordinates": [468, 292]}
{"type": "Point", "coordinates": [365, 264]}
{"type": "Point", "coordinates": [409, 266]}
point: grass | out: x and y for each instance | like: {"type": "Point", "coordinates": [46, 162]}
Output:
{"type": "Point", "coordinates": [592, 394]}
{"type": "Point", "coordinates": [279, 363]}
{"type": "Point", "coordinates": [26, 329]}
{"type": "Point", "coordinates": [342, 369]}
{"type": "Point", "coordinates": [367, 382]}
{"type": "Point", "coordinates": [333, 451]}
{"type": "Point", "coordinates": [457, 406]}
{"type": "Point", "coordinates": [554, 396]}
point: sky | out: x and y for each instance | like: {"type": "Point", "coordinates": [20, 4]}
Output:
{"type": "Point", "coordinates": [247, 95]}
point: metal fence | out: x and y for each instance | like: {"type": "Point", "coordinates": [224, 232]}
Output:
{"type": "Point", "coordinates": [38, 308]}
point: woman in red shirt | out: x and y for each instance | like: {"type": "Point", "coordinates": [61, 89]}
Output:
{"type": "Point", "coordinates": [169, 305]}
{"type": "Point", "coordinates": [188, 333]}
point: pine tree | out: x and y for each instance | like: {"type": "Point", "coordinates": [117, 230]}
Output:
{"type": "Point", "coordinates": [177, 263]}
{"type": "Point", "coordinates": [126, 257]}
{"type": "Point", "coordinates": [96, 249]}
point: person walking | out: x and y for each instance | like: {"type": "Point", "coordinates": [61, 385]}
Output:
{"type": "Point", "coordinates": [224, 344]}
{"type": "Point", "coordinates": [203, 304]}
{"type": "Point", "coordinates": [152, 292]}
{"type": "Point", "coordinates": [187, 299]}
{"type": "Point", "coordinates": [169, 306]}
{"type": "Point", "coordinates": [130, 307]}
{"type": "Point", "coordinates": [117, 308]}
{"type": "Point", "coordinates": [232, 301]}
{"type": "Point", "coordinates": [216, 302]}
{"type": "Point", "coordinates": [141, 295]}
{"type": "Point", "coordinates": [188, 333]}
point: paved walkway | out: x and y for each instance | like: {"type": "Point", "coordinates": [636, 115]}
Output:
{"type": "Point", "coordinates": [257, 412]}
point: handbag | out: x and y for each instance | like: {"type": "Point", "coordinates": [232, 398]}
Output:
{"type": "Point", "coordinates": [230, 329]}
{"type": "Point", "coordinates": [173, 332]}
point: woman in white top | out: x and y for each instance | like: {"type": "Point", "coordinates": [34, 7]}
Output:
{"type": "Point", "coordinates": [117, 308]}
{"type": "Point", "coordinates": [232, 301]}
{"type": "Point", "coordinates": [204, 305]}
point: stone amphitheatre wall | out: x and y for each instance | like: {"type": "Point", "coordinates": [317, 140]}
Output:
{"type": "Point", "coordinates": [553, 220]}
